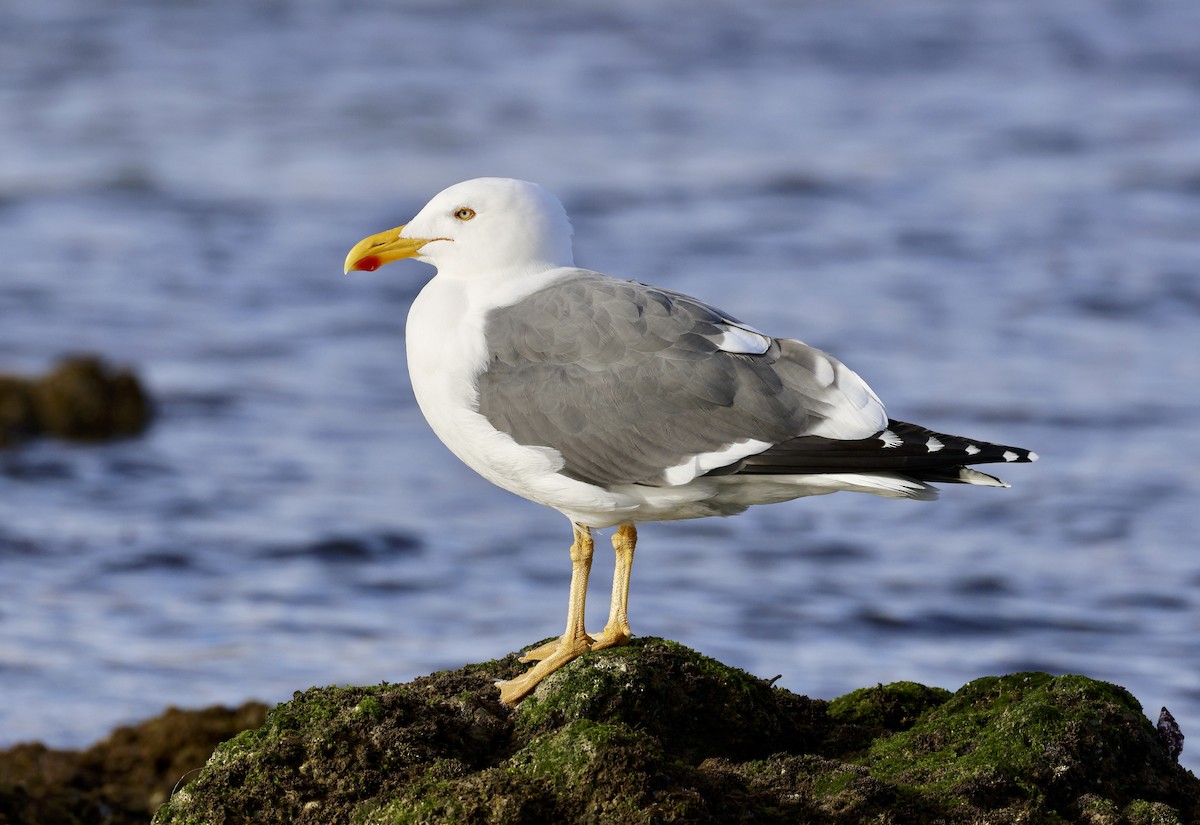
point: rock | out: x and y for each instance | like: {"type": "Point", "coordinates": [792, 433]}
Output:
{"type": "Point", "coordinates": [81, 399]}
{"type": "Point", "coordinates": [18, 410]}
{"type": "Point", "coordinates": [121, 780]}
{"type": "Point", "coordinates": [654, 732]}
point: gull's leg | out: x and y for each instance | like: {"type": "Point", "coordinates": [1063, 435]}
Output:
{"type": "Point", "coordinates": [616, 632]}
{"type": "Point", "coordinates": [575, 640]}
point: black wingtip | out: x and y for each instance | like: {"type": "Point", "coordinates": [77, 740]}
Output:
{"type": "Point", "coordinates": [911, 437]}
{"type": "Point", "coordinates": [902, 448]}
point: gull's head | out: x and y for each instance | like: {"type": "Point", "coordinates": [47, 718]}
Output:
{"type": "Point", "coordinates": [485, 225]}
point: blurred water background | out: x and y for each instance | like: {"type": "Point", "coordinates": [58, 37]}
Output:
{"type": "Point", "coordinates": [990, 210]}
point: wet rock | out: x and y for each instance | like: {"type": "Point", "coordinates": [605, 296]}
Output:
{"type": "Point", "coordinates": [655, 732]}
{"type": "Point", "coordinates": [121, 780]}
{"type": "Point", "coordinates": [81, 399]}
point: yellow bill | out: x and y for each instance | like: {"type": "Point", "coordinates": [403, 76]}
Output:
{"type": "Point", "coordinates": [371, 253]}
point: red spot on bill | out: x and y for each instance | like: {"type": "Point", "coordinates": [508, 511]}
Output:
{"type": "Point", "coordinates": [370, 263]}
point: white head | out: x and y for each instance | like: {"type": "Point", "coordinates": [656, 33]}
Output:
{"type": "Point", "coordinates": [485, 225]}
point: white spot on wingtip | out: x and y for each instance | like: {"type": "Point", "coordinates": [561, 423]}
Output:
{"type": "Point", "coordinates": [890, 439]}
{"type": "Point", "coordinates": [1033, 456]}
{"type": "Point", "coordinates": [1009, 455]}
{"type": "Point", "coordinates": [933, 445]}
{"type": "Point", "coordinates": [972, 449]}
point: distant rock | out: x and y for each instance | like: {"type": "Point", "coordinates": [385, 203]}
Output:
{"type": "Point", "coordinates": [654, 732]}
{"type": "Point", "coordinates": [121, 780]}
{"type": "Point", "coordinates": [81, 399]}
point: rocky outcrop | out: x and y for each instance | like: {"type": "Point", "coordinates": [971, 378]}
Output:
{"type": "Point", "coordinates": [654, 732]}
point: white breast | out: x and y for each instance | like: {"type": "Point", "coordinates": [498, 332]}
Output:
{"type": "Point", "coordinates": [446, 353]}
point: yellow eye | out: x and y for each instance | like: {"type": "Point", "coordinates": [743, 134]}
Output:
{"type": "Point", "coordinates": [465, 213]}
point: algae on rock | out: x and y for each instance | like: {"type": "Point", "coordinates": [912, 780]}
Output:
{"type": "Point", "coordinates": [654, 732]}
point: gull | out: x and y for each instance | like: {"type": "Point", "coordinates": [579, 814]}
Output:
{"type": "Point", "coordinates": [617, 403]}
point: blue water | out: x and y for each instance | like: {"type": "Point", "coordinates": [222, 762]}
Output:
{"type": "Point", "coordinates": [989, 210]}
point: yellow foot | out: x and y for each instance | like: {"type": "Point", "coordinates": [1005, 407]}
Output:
{"type": "Point", "coordinates": [612, 636]}
{"type": "Point", "coordinates": [542, 651]}
{"type": "Point", "coordinates": [565, 650]}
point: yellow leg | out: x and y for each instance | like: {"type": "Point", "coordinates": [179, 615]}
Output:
{"type": "Point", "coordinates": [575, 640]}
{"type": "Point", "coordinates": [616, 632]}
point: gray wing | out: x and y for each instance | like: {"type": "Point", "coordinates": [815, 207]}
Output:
{"type": "Point", "coordinates": [627, 381]}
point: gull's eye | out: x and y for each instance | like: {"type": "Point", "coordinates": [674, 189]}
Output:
{"type": "Point", "coordinates": [465, 213]}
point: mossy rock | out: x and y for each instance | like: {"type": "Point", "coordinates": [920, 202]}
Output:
{"type": "Point", "coordinates": [669, 691]}
{"type": "Point", "coordinates": [896, 707]}
{"type": "Point", "coordinates": [84, 399]}
{"type": "Point", "coordinates": [80, 399]}
{"type": "Point", "coordinates": [654, 732]}
{"type": "Point", "coordinates": [120, 780]}
{"type": "Point", "coordinates": [1031, 742]}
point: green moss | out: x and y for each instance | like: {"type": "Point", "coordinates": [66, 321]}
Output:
{"type": "Point", "coordinates": [370, 708]}
{"type": "Point", "coordinates": [895, 706]}
{"type": "Point", "coordinates": [334, 749]}
{"type": "Point", "coordinates": [319, 705]}
{"type": "Point", "coordinates": [579, 761]}
{"type": "Point", "coordinates": [582, 687]}
{"type": "Point", "coordinates": [835, 783]}
{"type": "Point", "coordinates": [1029, 737]}
{"type": "Point", "coordinates": [428, 800]}
{"type": "Point", "coordinates": [569, 693]}
{"type": "Point", "coordinates": [567, 756]}
{"type": "Point", "coordinates": [1141, 812]}
{"type": "Point", "coordinates": [662, 688]}
{"type": "Point", "coordinates": [1096, 810]}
